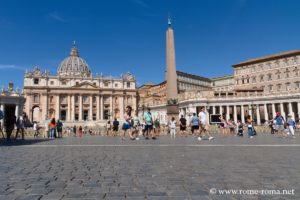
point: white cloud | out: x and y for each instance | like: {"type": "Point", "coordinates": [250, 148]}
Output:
{"type": "Point", "coordinates": [11, 67]}
{"type": "Point", "coordinates": [141, 3]}
{"type": "Point", "coordinates": [55, 16]}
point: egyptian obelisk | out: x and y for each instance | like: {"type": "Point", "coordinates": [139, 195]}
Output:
{"type": "Point", "coordinates": [171, 75]}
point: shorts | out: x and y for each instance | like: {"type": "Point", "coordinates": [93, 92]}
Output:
{"type": "Point", "coordinates": [126, 126]}
{"type": "Point", "coordinates": [115, 128]}
{"type": "Point", "coordinates": [279, 127]}
{"type": "Point", "coordinates": [182, 128]}
{"type": "Point", "coordinates": [195, 128]}
{"type": "Point", "coordinates": [148, 127]}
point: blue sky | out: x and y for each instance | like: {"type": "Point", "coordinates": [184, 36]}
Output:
{"type": "Point", "coordinates": [117, 36]}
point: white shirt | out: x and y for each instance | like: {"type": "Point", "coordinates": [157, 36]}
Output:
{"type": "Point", "coordinates": [172, 124]}
{"type": "Point", "coordinates": [202, 117]}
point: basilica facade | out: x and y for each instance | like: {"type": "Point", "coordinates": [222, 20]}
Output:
{"type": "Point", "coordinates": [75, 95]}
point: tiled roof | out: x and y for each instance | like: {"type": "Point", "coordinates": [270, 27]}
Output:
{"type": "Point", "coordinates": [267, 58]}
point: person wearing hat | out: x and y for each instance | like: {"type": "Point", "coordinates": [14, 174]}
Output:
{"type": "Point", "coordinates": [291, 125]}
{"type": "Point", "coordinates": [279, 124]}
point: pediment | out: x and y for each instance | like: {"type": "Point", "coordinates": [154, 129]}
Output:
{"type": "Point", "coordinates": [85, 85]}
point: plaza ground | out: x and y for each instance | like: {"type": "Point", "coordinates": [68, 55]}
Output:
{"type": "Point", "coordinates": [96, 167]}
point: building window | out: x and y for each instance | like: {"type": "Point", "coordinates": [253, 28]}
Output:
{"type": "Point", "coordinates": [254, 79]}
{"type": "Point", "coordinates": [261, 78]}
{"type": "Point", "coordinates": [269, 77]}
{"type": "Point", "coordinates": [285, 62]}
{"type": "Point", "coordinates": [269, 65]}
{"type": "Point", "coordinates": [77, 83]}
{"type": "Point", "coordinates": [63, 99]}
{"type": "Point", "coordinates": [94, 84]}
{"type": "Point", "coordinates": [94, 99]}
{"type": "Point", "coordinates": [288, 86]}
{"type": "Point", "coordinates": [296, 71]}
{"type": "Point", "coordinates": [270, 87]}
{"type": "Point", "coordinates": [106, 84]}
{"type": "Point", "coordinates": [36, 81]}
{"type": "Point", "coordinates": [297, 85]}
{"type": "Point", "coordinates": [36, 98]}
{"type": "Point", "coordinates": [295, 60]}
{"type": "Point", "coordinates": [116, 85]}
{"type": "Point", "coordinates": [128, 84]}
{"type": "Point", "coordinates": [51, 82]}
{"type": "Point", "coordinates": [277, 64]}
{"type": "Point", "coordinates": [51, 99]}
{"type": "Point", "coordinates": [278, 87]}
{"type": "Point", "coordinates": [85, 99]}
{"type": "Point", "coordinates": [64, 83]}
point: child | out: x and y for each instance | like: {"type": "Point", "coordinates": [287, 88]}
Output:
{"type": "Point", "coordinates": [291, 125]}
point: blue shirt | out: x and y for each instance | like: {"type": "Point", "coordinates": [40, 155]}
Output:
{"type": "Point", "coordinates": [195, 121]}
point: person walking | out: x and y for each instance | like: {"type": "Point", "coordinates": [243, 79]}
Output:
{"type": "Point", "coordinates": [182, 126]}
{"type": "Point", "coordinates": [204, 125]}
{"type": "Point", "coordinates": [115, 127]}
{"type": "Point", "coordinates": [149, 125]}
{"type": "Point", "coordinates": [80, 131]}
{"type": "Point", "coordinates": [291, 125]}
{"type": "Point", "coordinates": [36, 129]}
{"type": "Point", "coordinates": [223, 124]}
{"type": "Point", "coordinates": [74, 130]}
{"type": "Point", "coordinates": [127, 123]}
{"type": "Point", "coordinates": [20, 127]}
{"type": "Point", "coordinates": [59, 126]}
{"type": "Point", "coordinates": [195, 125]}
{"type": "Point", "coordinates": [136, 125]}
{"type": "Point", "coordinates": [250, 126]}
{"type": "Point", "coordinates": [172, 126]}
{"type": "Point", "coordinates": [157, 127]}
{"type": "Point", "coordinates": [52, 126]}
{"type": "Point", "coordinates": [279, 124]}
{"type": "Point", "coordinates": [108, 128]}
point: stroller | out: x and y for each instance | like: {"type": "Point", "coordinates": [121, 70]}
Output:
{"type": "Point", "coordinates": [240, 129]}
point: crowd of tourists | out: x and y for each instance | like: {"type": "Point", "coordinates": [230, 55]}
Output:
{"type": "Point", "coordinates": [134, 127]}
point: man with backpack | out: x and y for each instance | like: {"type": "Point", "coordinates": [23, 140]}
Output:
{"type": "Point", "coordinates": [149, 125]}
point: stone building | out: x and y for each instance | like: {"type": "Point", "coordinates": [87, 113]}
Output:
{"type": "Point", "coordinates": [11, 102]}
{"type": "Point", "coordinates": [75, 95]}
{"type": "Point", "coordinates": [259, 87]}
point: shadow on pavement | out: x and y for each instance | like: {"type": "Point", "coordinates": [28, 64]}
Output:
{"type": "Point", "coordinates": [19, 142]}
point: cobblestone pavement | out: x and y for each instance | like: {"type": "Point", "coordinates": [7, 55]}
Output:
{"type": "Point", "coordinates": [95, 167]}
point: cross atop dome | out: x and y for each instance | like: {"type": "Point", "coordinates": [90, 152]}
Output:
{"type": "Point", "coordinates": [74, 50]}
{"type": "Point", "coordinates": [169, 20]}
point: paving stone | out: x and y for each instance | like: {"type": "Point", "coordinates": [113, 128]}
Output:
{"type": "Point", "coordinates": [151, 171]}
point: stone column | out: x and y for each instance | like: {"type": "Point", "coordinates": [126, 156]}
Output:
{"type": "Point", "coordinates": [133, 99]}
{"type": "Point", "coordinates": [91, 108]}
{"type": "Point", "coordinates": [273, 111]}
{"type": "Point", "coordinates": [234, 114]}
{"type": "Point", "coordinates": [257, 115]}
{"type": "Point", "coordinates": [250, 110]}
{"type": "Point", "coordinates": [214, 109]}
{"type": "Point", "coordinates": [57, 111]}
{"type": "Point", "coordinates": [69, 108]}
{"type": "Point", "coordinates": [221, 110]}
{"type": "Point", "coordinates": [101, 107]}
{"type": "Point", "coordinates": [282, 110]}
{"type": "Point", "coordinates": [242, 114]}
{"type": "Point", "coordinates": [121, 103]}
{"type": "Point", "coordinates": [45, 107]}
{"type": "Point", "coordinates": [73, 108]}
{"type": "Point", "coordinates": [291, 110]}
{"type": "Point", "coordinates": [227, 113]}
{"type": "Point", "coordinates": [80, 108]}
{"type": "Point", "coordinates": [98, 108]}
{"type": "Point", "coordinates": [17, 111]}
{"type": "Point", "coordinates": [111, 106]}
{"type": "Point", "coordinates": [266, 112]}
